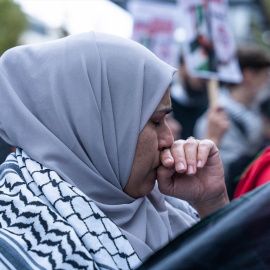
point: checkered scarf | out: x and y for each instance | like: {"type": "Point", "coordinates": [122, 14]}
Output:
{"type": "Point", "coordinates": [46, 223]}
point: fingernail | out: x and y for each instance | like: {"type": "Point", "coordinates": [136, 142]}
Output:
{"type": "Point", "coordinates": [180, 166]}
{"type": "Point", "coordinates": [199, 164]}
{"type": "Point", "coordinates": [190, 169]}
{"type": "Point", "coordinates": [167, 160]}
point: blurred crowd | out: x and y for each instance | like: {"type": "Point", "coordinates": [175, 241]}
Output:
{"type": "Point", "coordinates": [239, 122]}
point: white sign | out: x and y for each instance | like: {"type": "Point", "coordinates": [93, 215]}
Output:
{"type": "Point", "coordinates": [210, 49]}
{"type": "Point", "coordinates": [154, 27]}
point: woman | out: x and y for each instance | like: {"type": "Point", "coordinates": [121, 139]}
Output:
{"type": "Point", "coordinates": [87, 114]}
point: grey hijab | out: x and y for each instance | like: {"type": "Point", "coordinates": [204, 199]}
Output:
{"type": "Point", "coordinates": [77, 106]}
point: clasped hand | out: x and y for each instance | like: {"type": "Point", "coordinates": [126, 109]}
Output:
{"type": "Point", "coordinates": [192, 170]}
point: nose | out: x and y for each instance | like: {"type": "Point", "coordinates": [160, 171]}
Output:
{"type": "Point", "coordinates": [165, 139]}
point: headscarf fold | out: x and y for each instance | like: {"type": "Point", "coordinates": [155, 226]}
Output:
{"type": "Point", "coordinates": [77, 106]}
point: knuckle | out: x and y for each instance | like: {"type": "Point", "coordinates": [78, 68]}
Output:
{"type": "Point", "coordinates": [177, 144]}
{"type": "Point", "coordinates": [191, 160]}
{"type": "Point", "coordinates": [190, 142]}
{"type": "Point", "coordinates": [206, 143]}
{"type": "Point", "coordinates": [165, 153]}
{"type": "Point", "coordinates": [203, 144]}
{"type": "Point", "coordinates": [179, 159]}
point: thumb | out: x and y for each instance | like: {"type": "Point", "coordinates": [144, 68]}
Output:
{"type": "Point", "coordinates": [164, 178]}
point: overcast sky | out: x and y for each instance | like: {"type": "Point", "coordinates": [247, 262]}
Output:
{"type": "Point", "coordinates": [81, 15]}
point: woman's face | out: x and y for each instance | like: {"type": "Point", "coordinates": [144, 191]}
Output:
{"type": "Point", "coordinates": [155, 136]}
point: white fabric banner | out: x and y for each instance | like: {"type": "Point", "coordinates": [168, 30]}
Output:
{"type": "Point", "coordinates": [210, 49]}
{"type": "Point", "coordinates": [154, 27]}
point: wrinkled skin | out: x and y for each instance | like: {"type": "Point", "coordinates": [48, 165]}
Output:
{"type": "Point", "coordinates": [192, 171]}
{"type": "Point", "coordinates": [186, 169]}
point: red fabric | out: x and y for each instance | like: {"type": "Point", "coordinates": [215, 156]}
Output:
{"type": "Point", "coordinates": [257, 174]}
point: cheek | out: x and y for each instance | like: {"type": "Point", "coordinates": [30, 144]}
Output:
{"type": "Point", "coordinates": [148, 146]}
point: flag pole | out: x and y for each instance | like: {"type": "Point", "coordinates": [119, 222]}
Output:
{"type": "Point", "coordinates": [212, 90]}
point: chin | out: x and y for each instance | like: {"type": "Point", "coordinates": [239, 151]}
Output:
{"type": "Point", "coordinates": [151, 185]}
{"type": "Point", "coordinates": [149, 191]}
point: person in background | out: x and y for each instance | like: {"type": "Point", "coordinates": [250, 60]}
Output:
{"type": "Point", "coordinates": [217, 124]}
{"type": "Point", "coordinates": [175, 126]}
{"type": "Point", "coordinates": [243, 138]}
{"type": "Point", "coordinates": [264, 109]}
{"type": "Point", "coordinates": [189, 98]}
{"type": "Point", "coordinates": [257, 172]}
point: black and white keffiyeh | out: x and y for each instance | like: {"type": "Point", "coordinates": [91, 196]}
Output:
{"type": "Point", "coordinates": [47, 223]}
{"type": "Point", "coordinates": [77, 106]}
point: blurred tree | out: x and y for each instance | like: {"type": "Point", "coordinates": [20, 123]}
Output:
{"type": "Point", "coordinates": [259, 24]}
{"type": "Point", "coordinates": [266, 7]}
{"type": "Point", "coordinates": [12, 23]}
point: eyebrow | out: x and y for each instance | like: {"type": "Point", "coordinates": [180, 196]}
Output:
{"type": "Point", "coordinates": [165, 110]}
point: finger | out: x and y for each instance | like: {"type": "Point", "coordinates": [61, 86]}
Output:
{"type": "Point", "coordinates": [178, 153]}
{"type": "Point", "coordinates": [166, 158]}
{"type": "Point", "coordinates": [204, 149]}
{"type": "Point", "coordinates": [190, 148]}
{"type": "Point", "coordinates": [164, 178]}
